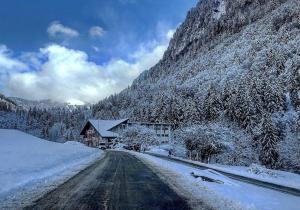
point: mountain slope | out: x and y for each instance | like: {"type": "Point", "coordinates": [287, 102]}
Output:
{"type": "Point", "coordinates": [235, 63]}
{"type": "Point", "coordinates": [42, 104]}
{"type": "Point", "coordinates": [7, 104]}
{"type": "Point", "coordinates": [44, 119]}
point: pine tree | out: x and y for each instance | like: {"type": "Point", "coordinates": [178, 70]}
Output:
{"type": "Point", "coordinates": [269, 139]}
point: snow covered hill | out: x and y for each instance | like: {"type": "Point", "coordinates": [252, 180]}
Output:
{"type": "Point", "coordinates": [55, 121]}
{"type": "Point", "coordinates": [7, 104]}
{"type": "Point", "coordinates": [27, 161]}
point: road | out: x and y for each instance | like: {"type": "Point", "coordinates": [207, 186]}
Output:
{"type": "Point", "coordinates": [118, 181]}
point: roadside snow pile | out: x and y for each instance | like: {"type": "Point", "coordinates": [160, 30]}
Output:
{"type": "Point", "coordinates": [26, 160]}
{"type": "Point", "coordinates": [262, 171]}
{"type": "Point", "coordinates": [254, 171]}
{"type": "Point", "coordinates": [119, 146]}
{"type": "Point", "coordinates": [216, 190]}
{"type": "Point", "coordinates": [209, 175]}
{"type": "Point", "coordinates": [258, 172]}
{"type": "Point", "coordinates": [161, 150]}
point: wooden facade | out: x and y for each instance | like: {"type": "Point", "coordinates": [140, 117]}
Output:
{"type": "Point", "coordinates": [92, 137]}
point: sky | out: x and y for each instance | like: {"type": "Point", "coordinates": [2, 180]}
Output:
{"type": "Point", "coordinates": [82, 51]}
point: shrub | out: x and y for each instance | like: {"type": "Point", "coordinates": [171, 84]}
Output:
{"type": "Point", "coordinates": [140, 135]}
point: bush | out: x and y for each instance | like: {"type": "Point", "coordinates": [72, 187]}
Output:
{"type": "Point", "coordinates": [213, 141]}
{"type": "Point", "coordinates": [261, 170]}
{"type": "Point", "coordinates": [140, 135]}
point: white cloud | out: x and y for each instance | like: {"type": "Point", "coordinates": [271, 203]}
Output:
{"type": "Point", "coordinates": [170, 34]}
{"type": "Point", "coordinates": [9, 65]}
{"type": "Point", "coordinates": [56, 28]}
{"type": "Point", "coordinates": [96, 32]}
{"type": "Point", "coordinates": [67, 75]}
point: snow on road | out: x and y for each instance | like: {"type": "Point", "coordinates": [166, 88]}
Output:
{"type": "Point", "coordinates": [28, 163]}
{"type": "Point", "coordinates": [231, 194]}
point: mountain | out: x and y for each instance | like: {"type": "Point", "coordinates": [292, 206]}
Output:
{"type": "Point", "coordinates": [44, 119]}
{"type": "Point", "coordinates": [6, 104]}
{"type": "Point", "coordinates": [41, 104]}
{"type": "Point", "coordinates": [234, 63]}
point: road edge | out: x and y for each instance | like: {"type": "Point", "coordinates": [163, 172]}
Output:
{"type": "Point", "coordinates": [192, 200]}
{"type": "Point", "coordinates": [26, 197]}
{"type": "Point", "coordinates": [246, 179]}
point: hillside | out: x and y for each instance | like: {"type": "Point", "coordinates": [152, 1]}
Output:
{"type": "Point", "coordinates": [7, 104]}
{"type": "Point", "coordinates": [45, 119]}
{"type": "Point", "coordinates": [42, 104]}
{"type": "Point", "coordinates": [230, 65]}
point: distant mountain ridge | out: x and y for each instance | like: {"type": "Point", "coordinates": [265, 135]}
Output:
{"type": "Point", "coordinates": [46, 119]}
{"type": "Point", "coordinates": [40, 104]}
{"type": "Point", "coordinates": [6, 104]}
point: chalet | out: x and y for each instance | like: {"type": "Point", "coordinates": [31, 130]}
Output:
{"type": "Point", "coordinates": [102, 133]}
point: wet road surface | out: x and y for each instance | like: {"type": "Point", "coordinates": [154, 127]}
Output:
{"type": "Point", "coordinates": [118, 181]}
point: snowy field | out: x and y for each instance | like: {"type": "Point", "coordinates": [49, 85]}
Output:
{"type": "Point", "coordinates": [229, 193]}
{"type": "Point", "coordinates": [29, 163]}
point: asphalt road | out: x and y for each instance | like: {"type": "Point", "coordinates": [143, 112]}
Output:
{"type": "Point", "coordinates": [118, 181]}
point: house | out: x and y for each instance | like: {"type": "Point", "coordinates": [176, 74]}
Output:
{"type": "Point", "coordinates": [102, 133]}
{"type": "Point", "coordinates": [97, 133]}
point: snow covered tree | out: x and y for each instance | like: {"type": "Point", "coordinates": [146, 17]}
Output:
{"type": "Point", "coordinates": [139, 135]}
{"type": "Point", "coordinates": [268, 140]}
{"type": "Point", "coordinates": [201, 141]}
{"type": "Point", "coordinates": [213, 104]}
{"type": "Point", "coordinates": [289, 152]}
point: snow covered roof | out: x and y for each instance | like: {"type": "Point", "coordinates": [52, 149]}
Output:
{"type": "Point", "coordinates": [103, 127]}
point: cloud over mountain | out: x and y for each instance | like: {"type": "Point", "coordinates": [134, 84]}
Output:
{"type": "Point", "coordinates": [67, 75]}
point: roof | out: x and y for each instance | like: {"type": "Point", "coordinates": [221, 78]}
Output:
{"type": "Point", "coordinates": [103, 127]}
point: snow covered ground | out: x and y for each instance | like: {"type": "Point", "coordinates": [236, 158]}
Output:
{"type": "Point", "coordinates": [230, 194]}
{"type": "Point", "coordinates": [257, 172]}
{"type": "Point", "coordinates": [27, 163]}
{"type": "Point", "coordinates": [273, 176]}
{"type": "Point", "coordinates": [161, 150]}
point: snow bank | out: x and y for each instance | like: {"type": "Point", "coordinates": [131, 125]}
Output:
{"type": "Point", "coordinates": [26, 160]}
{"type": "Point", "coordinates": [231, 194]}
{"type": "Point", "coordinates": [254, 171]}
{"type": "Point", "coordinates": [160, 150]}
{"type": "Point", "coordinates": [261, 173]}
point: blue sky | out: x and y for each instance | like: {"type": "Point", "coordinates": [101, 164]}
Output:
{"type": "Point", "coordinates": [115, 39]}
